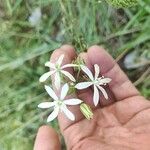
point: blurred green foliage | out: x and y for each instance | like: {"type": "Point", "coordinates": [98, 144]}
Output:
{"type": "Point", "coordinates": [122, 3]}
{"type": "Point", "coordinates": [24, 50]}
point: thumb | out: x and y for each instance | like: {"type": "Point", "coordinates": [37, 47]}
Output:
{"type": "Point", "coordinates": [47, 139]}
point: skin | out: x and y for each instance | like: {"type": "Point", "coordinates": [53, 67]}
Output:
{"type": "Point", "coordinates": [120, 123]}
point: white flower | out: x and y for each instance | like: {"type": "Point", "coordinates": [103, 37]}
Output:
{"type": "Point", "coordinates": [96, 81]}
{"type": "Point", "coordinates": [59, 103]}
{"type": "Point", "coordinates": [35, 17]}
{"type": "Point", "coordinates": [57, 69]}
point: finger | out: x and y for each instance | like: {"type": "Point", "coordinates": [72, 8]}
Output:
{"type": "Point", "coordinates": [87, 95]}
{"type": "Point", "coordinates": [68, 49]}
{"type": "Point", "coordinates": [69, 56]}
{"type": "Point", "coordinates": [68, 52]}
{"type": "Point", "coordinates": [47, 139]}
{"type": "Point", "coordinates": [120, 85]}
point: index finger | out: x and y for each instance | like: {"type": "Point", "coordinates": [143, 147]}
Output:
{"type": "Point", "coordinates": [69, 56]}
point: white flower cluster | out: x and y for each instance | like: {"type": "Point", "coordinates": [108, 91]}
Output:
{"type": "Point", "coordinates": [60, 102]}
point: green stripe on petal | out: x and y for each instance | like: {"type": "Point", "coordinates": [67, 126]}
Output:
{"type": "Point", "coordinates": [86, 111]}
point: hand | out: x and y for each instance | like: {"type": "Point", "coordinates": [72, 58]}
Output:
{"type": "Point", "coordinates": [120, 123]}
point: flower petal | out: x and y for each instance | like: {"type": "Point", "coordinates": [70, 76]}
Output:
{"type": "Point", "coordinates": [87, 71]}
{"type": "Point", "coordinates": [64, 91]}
{"type": "Point", "coordinates": [69, 65]}
{"type": "Point", "coordinates": [97, 71]}
{"type": "Point", "coordinates": [104, 81]}
{"type": "Point", "coordinates": [73, 101]}
{"type": "Point", "coordinates": [51, 92]}
{"type": "Point", "coordinates": [103, 91]}
{"type": "Point", "coordinates": [49, 64]}
{"type": "Point", "coordinates": [46, 104]}
{"type": "Point", "coordinates": [68, 113]}
{"type": "Point", "coordinates": [83, 85]}
{"type": "Point", "coordinates": [46, 75]}
{"type": "Point", "coordinates": [60, 59]}
{"type": "Point", "coordinates": [57, 81]}
{"type": "Point", "coordinates": [53, 115]}
{"type": "Point", "coordinates": [68, 75]}
{"type": "Point", "coordinates": [96, 96]}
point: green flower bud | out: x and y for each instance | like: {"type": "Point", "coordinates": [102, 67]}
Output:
{"type": "Point", "coordinates": [86, 111]}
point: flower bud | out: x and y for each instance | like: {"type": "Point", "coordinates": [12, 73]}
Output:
{"type": "Point", "coordinates": [86, 111]}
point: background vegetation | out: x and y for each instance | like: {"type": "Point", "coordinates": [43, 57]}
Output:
{"type": "Point", "coordinates": [25, 48]}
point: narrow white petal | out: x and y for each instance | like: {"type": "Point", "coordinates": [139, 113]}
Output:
{"type": "Point", "coordinates": [96, 96]}
{"type": "Point", "coordinates": [68, 113]}
{"type": "Point", "coordinates": [57, 81]}
{"type": "Point", "coordinates": [103, 91]}
{"type": "Point", "coordinates": [60, 59]}
{"type": "Point", "coordinates": [64, 91]}
{"type": "Point", "coordinates": [73, 101]}
{"type": "Point", "coordinates": [87, 71]}
{"type": "Point", "coordinates": [46, 75]}
{"type": "Point", "coordinates": [107, 80]}
{"type": "Point", "coordinates": [53, 115]}
{"type": "Point", "coordinates": [49, 64]}
{"type": "Point", "coordinates": [83, 85]}
{"type": "Point", "coordinates": [46, 104]}
{"type": "Point", "coordinates": [104, 81]}
{"type": "Point", "coordinates": [97, 71]}
{"type": "Point", "coordinates": [68, 75]}
{"type": "Point", "coordinates": [51, 92]}
{"type": "Point", "coordinates": [69, 65]}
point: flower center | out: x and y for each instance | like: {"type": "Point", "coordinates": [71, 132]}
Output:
{"type": "Point", "coordinates": [95, 82]}
{"type": "Point", "coordinates": [59, 102]}
{"type": "Point", "coordinates": [58, 67]}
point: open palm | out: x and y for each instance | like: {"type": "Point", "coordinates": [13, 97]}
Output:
{"type": "Point", "coordinates": [120, 123]}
